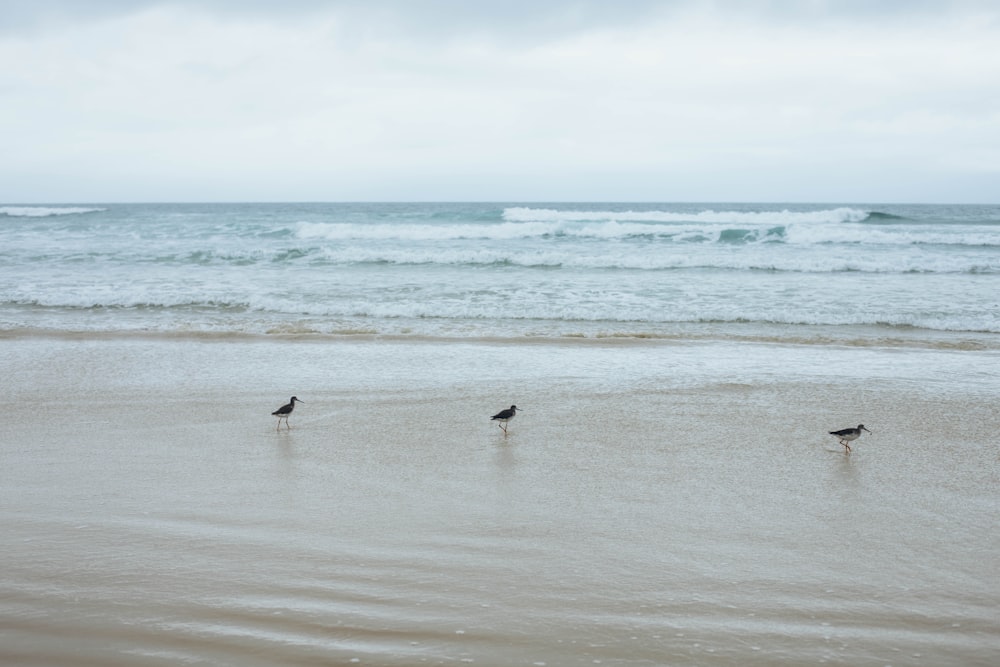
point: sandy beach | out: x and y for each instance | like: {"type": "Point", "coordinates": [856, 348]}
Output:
{"type": "Point", "coordinates": [655, 503]}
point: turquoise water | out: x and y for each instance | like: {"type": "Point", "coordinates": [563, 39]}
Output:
{"type": "Point", "coordinates": [807, 271]}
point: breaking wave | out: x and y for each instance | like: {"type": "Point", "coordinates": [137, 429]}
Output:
{"type": "Point", "coordinates": [838, 226]}
{"type": "Point", "coordinates": [45, 211]}
{"type": "Point", "coordinates": [783, 217]}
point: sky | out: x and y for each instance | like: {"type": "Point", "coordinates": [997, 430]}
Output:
{"type": "Point", "coordinates": [513, 100]}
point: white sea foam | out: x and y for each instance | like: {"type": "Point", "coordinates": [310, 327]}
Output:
{"type": "Point", "coordinates": [604, 258]}
{"type": "Point", "coordinates": [44, 211]}
{"type": "Point", "coordinates": [777, 217]}
{"type": "Point", "coordinates": [964, 235]}
{"type": "Point", "coordinates": [483, 296]}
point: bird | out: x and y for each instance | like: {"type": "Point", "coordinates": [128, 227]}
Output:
{"type": "Point", "coordinates": [846, 435]}
{"type": "Point", "coordinates": [285, 410]}
{"type": "Point", "coordinates": [505, 416]}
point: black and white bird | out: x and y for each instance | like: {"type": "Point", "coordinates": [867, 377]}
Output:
{"type": "Point", "coordinates": [285, 410]}
{"type": "Point", "coordinates": [846, 435]}
{"type": "Point", "coordinates": [505, 416]}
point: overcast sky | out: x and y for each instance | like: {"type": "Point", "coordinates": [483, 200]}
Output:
{"type": "Point", "coordinates": [506, 100]}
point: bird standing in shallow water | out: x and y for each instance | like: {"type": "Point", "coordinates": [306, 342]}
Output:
{"type": "Point", "coordinates": [505, 416]}
{"type": "Point", "coordinates": [284, 411]}
{"type": "Point", "coordinates": [848, 434]}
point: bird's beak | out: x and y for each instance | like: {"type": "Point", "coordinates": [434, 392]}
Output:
{"type": "Point", "coordinates": [866, 429]}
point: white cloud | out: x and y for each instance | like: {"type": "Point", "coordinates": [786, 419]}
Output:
{"type": "Point", "coordinates": [673, 101]}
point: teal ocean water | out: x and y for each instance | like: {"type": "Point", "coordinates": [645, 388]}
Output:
{"type": "Point", "coordinates": [805, 271]}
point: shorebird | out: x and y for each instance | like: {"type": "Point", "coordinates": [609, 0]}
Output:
{"type": "Point", "coordinates": [284, 411]}
{"type": "Point", "coordinates": [848, 434]}
{"type": "Point", "coordinates": [505, 416]}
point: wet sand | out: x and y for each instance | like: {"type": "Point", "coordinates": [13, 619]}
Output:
{"type": "Point", "coordinates": [653, 504]}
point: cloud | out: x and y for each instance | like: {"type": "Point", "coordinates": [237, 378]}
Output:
{"type": "Point", "coordinates": [451, 100]}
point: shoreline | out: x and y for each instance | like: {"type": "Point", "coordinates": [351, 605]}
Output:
{"type": "Point", "coordinates": [854, 336]}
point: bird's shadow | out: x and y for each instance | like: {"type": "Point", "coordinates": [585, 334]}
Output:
{"type": "Point", "coordinates": [839, 449]}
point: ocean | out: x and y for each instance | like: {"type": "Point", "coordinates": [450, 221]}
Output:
{"type": "Point", "coordinates": [800, 271]}
{"type": "Point", "coordinates": [669, 493]}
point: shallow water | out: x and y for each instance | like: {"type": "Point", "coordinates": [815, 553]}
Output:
{"type": "Point", "coordinates": [654, 503]}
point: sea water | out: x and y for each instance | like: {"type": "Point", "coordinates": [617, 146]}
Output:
{"type": "Point", "coordinates": [796, 271]}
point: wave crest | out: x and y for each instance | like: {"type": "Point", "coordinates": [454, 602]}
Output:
{"type": "Point", "coordinates": [782, 217]}
{"type": "Point", "coordinates": [45, 211]}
